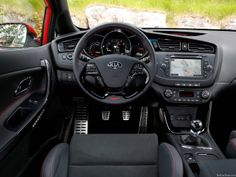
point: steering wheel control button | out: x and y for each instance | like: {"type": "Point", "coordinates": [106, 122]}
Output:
{"type": "Point", "coordinates": [100, 81]}
{"type": "Point", "coordinates": [91, 69]}
{"type": "Point", "coordinates": [168, 93]}
{"type": "Point", "coordinates": [137, 69]}
{"type": "Point", "coordinates": [205, 94]}
{"type": "Point", "coordinates": [90, 80]}
{"type": "Point", "coordinates": [84, 58]}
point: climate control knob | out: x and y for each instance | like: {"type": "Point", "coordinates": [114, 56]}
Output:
{"type": "Point", "coordinates": [205, 94]}
{"type": "Point", "coordinates": [168, 93]}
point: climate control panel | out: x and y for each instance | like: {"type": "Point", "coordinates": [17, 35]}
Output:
{"type": "Point", "coordinates": [178, 95]}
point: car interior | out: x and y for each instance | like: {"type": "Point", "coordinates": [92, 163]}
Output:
{"type": "Point", "coordinates": [117, 100]}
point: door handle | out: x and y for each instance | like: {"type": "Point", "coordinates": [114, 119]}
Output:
{"type": "Point", "coordinates": [23, 86]}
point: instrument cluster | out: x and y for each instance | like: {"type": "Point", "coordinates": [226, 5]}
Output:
{"type": "Point", "coordinates": [115, 41]}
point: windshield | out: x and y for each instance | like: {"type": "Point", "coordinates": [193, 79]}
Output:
{"type": "Point", "coordinates": [210, 14]}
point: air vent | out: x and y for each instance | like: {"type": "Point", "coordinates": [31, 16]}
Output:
{"type": "Point", "coordinates": [169, 45]}
{"type": "Point", "coordinates": [67, 46]}
{"type": "Point", "coordinates": [198, 47]}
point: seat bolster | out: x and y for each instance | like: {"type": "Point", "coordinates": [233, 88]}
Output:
{"type": "Point", "coordinates": [232, 134]}
{"type": "Point", "coordinates": [231, 148]}
{"type": "Point", "coordinates": [170, 162]}
{"type": "Point", "coordinates": [56, 162]}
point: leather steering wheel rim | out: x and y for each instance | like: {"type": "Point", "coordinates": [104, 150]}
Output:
{"type": "Point", "coordinates": [78, 65]}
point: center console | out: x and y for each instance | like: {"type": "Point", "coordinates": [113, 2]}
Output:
{"type": "Point", "coordinates": [184, 82]}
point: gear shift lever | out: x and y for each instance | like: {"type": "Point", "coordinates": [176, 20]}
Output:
{"type": "Point", "coordinates": [196, 128]}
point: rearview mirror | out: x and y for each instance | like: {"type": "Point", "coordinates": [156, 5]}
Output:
{"type": "Point", "coordinates": [17, 35]}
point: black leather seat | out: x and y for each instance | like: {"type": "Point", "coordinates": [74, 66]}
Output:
{"type": "Point", "coordinates": [122, 155]}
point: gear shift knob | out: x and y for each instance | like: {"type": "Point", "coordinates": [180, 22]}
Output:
{"type": "Point", "coordinates": [196, 126]}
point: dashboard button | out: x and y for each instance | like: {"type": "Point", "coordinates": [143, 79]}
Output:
{"type": "Point", "coordinates": [168, 93]}
{"type": "Point", "coordinates": [205, 94]}
{"type": "Point", "coordinates": [69, 56]}
{"type": "Point", "coordinates": [177, 84]}
{"type": "Point", "coordinates": [163, 66]}
{"type": "Point", "coordinates": [209, 68]}
{"type": "Point", "coordinates": [63, 56]}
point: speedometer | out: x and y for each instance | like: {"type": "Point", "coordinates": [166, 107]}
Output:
{"type": "Point", "coordinates": [116, 42]}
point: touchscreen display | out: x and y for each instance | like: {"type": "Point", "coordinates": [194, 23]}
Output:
{"type": "Point", "coordinates": [186, 67]}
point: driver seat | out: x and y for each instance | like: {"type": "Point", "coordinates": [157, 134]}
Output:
{"type": "Point", "coordinates": [110, 155]}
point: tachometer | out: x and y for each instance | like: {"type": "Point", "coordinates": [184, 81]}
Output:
{"type": "Point", "coordinates": [93, 48]}
{"type": "Point", "coordinates": [138, 50]}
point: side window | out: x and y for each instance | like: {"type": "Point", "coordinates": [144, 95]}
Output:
{"type": "Point", "coordinates": [21, 23]}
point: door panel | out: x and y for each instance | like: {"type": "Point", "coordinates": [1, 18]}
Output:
{"type": "Point", "coordinates": [25, 76]}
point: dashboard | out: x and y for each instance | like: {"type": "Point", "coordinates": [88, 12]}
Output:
{"type": "Point", "coordinates": [188, 61]}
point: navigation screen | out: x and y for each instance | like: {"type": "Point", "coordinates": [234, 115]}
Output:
{"type": "Point", "coordinates": [186, 67]}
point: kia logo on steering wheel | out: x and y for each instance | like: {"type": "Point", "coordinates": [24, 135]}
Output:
{"type": "Point", "coordinates": [114, 65]}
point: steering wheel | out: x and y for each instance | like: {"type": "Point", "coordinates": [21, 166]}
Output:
{"type": "Point", "coordinates": [114, 78]}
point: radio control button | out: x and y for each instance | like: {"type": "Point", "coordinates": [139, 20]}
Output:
{"type": "Point", "coordinates": [209, 67]}
{"type": "Point", "coordinates": [168, 93]}
{"type": "Point", "coordinates": [205, 94]}
{"type": "Point", "coordinates": [163, 66]}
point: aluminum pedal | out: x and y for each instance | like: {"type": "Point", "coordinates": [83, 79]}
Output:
{"type": "Point", "coordinates": [125, 115]}
{"type": "Point", "coordinates": [81, 118]}
{"type": "Point", "coordinates": [81, 127]}
{"type": "Point", "coordinates": [106, 115]}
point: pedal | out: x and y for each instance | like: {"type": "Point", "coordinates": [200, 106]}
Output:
{"type": "Point", "coordinates": [81, 118]}
{"type": "Point", "coordinates": [81, 127]}
{"type": "Point", "coordinates": [106, 115]}
{"type": "Point", "coordinates": [125, 115]}
{"type": "Point", "coordinates": [143, 120]}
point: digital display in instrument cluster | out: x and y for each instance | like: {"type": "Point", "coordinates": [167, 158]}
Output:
{"type": "Point", "coordinates": [185, 67]}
